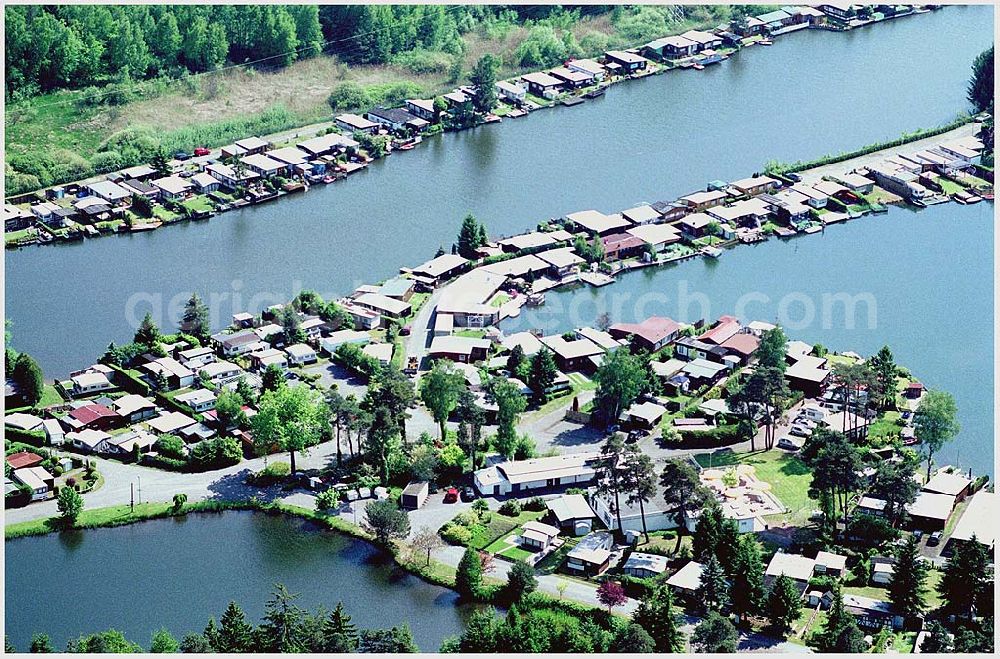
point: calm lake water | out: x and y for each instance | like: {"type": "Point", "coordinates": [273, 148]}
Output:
{"type": "Point", "coordinates": [176, 573]}
{"type": "Point", "coordinates": [813, 92]}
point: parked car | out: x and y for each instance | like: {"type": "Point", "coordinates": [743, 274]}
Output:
{"type": "Point", "coordinates": [635, 435]}
{"type": "Point", "coordinates": [451, 496]}
{"type": "Point", "coordinates": [793, 176]}
{"type": "Point", "coordinates": [405, 331]}
{"type": "Point", "coordinates": [906, 414]}
{"type": "Point", "coordinates": [468, 494]}
{"type": "Point", "coordinates": [935, 539]}
{"type": "Point", "coordinates": [182, 155]}
{"type": "Point", "coordinates": [917, 534]}
{"type": "Point", "coordinates": [202, 151]}
{"type": "Point", "coordinates": [800, 431]}
{"type": "Point", "coordinates": [788, 444]}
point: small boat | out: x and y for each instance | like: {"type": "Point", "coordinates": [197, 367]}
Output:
{"type": "Point", "coordinates": [570, 102]}
{"type": "Point", "coordinates": [595, 93]}
{"type": "Point", "coordinates": [814, 229]}
{"type": "Point", "coordinates": [713, 252]}
{"type": "Point", "coordinates": [517, 113]}
{"type": "Point", "coordinates": [536, 299]}
{"type": "Point", "coordinates": [698, 67]}
{"type": "Point", "coordinates": [492, 119]}
{"type": "Point", "coordinates": [406, 147]}
{"type": "Point", "coordinates": [329, 178]}
{"type": "Point", "coordinates": [766, 42]}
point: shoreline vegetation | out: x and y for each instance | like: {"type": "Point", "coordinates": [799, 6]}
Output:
{"type": "Point", "coordinates": [776, 167]}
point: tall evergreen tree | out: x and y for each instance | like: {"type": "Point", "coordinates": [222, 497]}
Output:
{"type": "Point", "coordinates": [908, 585]}
{"type": "Point", "coordinates": [980, 92]}
{"type": "Point", "coordinates": [469, 574]}
{"type": "Point", "coordinates": [747, 576]}
{"type": "Point", "coordinates": [784, 602]}
{"type": "Point", "coordinates": [281, 630]}
{"type": "Point", "coordinates": [714, 592]}
{"type": "Point", "coordinates": [966, 582]}
{"type": "Point", "coordinates": [148, 333]}
{"type": "Point", "coordinates": [640, 481]}
{"type": "Point", "coordinates": [195, 319]}
{"type": "Point", "coordinates": [657, 616]}
{"type": "Point", "coordinates": [235, 633]}
{"type": "Point", "coordinates": [469, 237]}
{"type": "Point", "coordinates": [339, 633]}
{"type": "Point", "coordinates": [484, 79]}
{"type": "Point", "coordinates": [543, 373]}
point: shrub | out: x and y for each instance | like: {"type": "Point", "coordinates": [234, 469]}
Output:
{"type": "Point", "coordinates": [327, 499]}
{"type": "Point", "coordinates": [456, 535]}
{"type": "Point", "coordinates": [535, 504]}
{"type": "Point", "coordinates": [510, 508]}
{"type": "Point", "coordinates": [466, 519]}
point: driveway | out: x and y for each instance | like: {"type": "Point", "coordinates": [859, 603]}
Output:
{"type": "Point", "coordinates": [835, 169]}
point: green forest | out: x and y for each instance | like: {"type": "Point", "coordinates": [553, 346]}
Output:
{"type": "Point", "coordinates": [92, 89]}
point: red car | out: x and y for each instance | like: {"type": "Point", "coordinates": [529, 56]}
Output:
{"type": "Point", "coordinates": [451, 496]}
{"type": "Point", "coordinates": [202, 151]}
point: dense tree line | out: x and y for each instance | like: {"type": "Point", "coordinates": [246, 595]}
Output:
{"type": "Point", "coordinates": [285, 627]}
{"type": "Point", "coordinates": [74, 46]}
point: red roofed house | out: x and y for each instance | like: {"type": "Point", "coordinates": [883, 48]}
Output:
{"type": "Point", "coordinates": [654, 332]}
{"type": "Point", "coordinates": [23, 459]}
{"type": "Point", "coordinates": [913, 390]}
{"type": "Point", "coordinates": [742, 346]}
{"type": "Point", "coordinates": [97, 417]}
{"type": "Point", "coordinates": [622, 245]}
{"type": "Point", "coordinates": [724, 330]}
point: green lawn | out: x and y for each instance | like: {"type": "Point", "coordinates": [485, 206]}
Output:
{"type": "Point", "coordinates": [198, 203]}
{"type": "Point", "coordinates": [50, 396]}
{"type": "Point", "coordinates": [499, 300]}
{"type": "Point", "coordinates": [551, 563]}
{"type": "Point", "coordinates": [471, 333]}
{"type": "Point", "coordinates": [950, 187]}
{"type": "Point", "coordinates": [485, 535]}
{"type": "Point", "coordinates": [788, 475]}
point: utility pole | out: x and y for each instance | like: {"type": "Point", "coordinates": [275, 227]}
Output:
{"type": "Point", "coordinates": [131, 488]}
{"type": "Point", "coordinates": [140, 489]}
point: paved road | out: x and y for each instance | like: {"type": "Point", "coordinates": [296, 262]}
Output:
{"type": "Point", "coordinates": [817, 173]}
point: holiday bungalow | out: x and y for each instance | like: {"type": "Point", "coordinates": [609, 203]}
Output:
{"type": "Point", "coordinates": [520, 476]}
{"type": "Point", "coordinates": [597, 222]}
{"type": "Point", "coordinates": [173, 187]}
{"type": "Point", "coordinates": [572, 514]}
{"type": "Point", "coordinates": [264, 165]}
{"type": "Point", "coordinates": [110, 192]}
{"type": "Point", "coordinates": [657, 236]}
{"type": "Point", "coordinates": [573, 354]}
{"type": "Point", "coordinates": [542, 84]}
{"type": "Point", "coordinates": [461, 349]}
{"type": "Point", "coordinates": [592, 555]}
{"type": "Point", "coordinates": [591, 67]}
{"type": "Point", "coordinates": [629, 62]}
{"type": "Point", "coordinates": [355, 123]}
{"type": "Point", "coordinates": [511, 91]}
{"type": "Point", "coordinates": [571, 79]}
{"type": "Point", "coordinates": [653, 333]}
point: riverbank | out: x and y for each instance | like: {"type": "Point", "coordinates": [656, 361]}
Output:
{"type": "Point", "coordinates": [204, 205]}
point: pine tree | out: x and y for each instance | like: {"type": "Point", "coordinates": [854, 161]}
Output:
{"type": "Point", "coordinates": [714, 593]}
{"type": "Point", "coordinates": [148, 333]}
{"type": "Point", "coordinates": [235, 634]}
{"type": "Point", "coordinates": [966, 579]}
{"type": "Point", "coordinates": [339, 633]}
{"type": "Point", "coordinates": [195, 319]}
{"type": "Point", "coordinates": [282, 626]}
{"type": "Point", "coordinates": [656, 615]}
{"type": "Point", "coordinates": [28, 376]}
{"type": "Point", "coordinates": [469, 237]}
{"type": "Point", "coordinates": [784, 602]}
{"type": "Point", "coordinates": [907, 589]}
{"type": "Point", "coordinates": [484, 79]}
{"type": "Point", "coordinates": [938, 640]}
{"type": "Point", "coordinates": [981, 84]}
{"type": "Point", "coordinates": [469, 575]}
{"type": "Point", "coordinates": [543, 373]}
{"type": "Point", "coordinates": [747, 574]}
